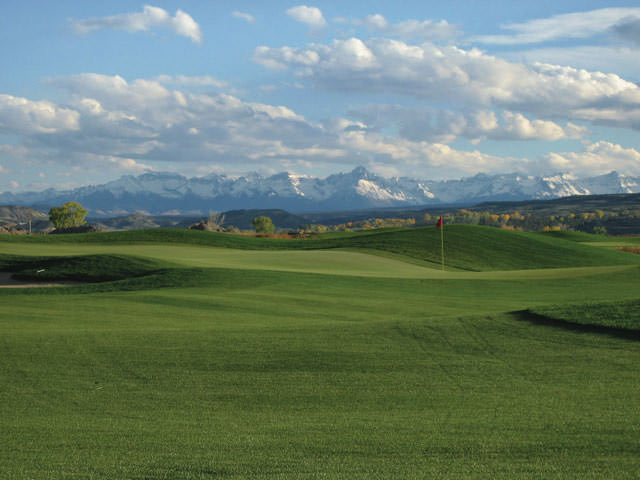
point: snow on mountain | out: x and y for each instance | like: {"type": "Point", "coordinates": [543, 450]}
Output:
{"type": "Point", "coordinates": [161, 192]}
{"type": "Point", "coordinates": [612, 182]}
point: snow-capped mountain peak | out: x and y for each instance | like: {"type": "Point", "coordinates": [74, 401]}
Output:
{"type": "Point", "coordinates": [157, 192]}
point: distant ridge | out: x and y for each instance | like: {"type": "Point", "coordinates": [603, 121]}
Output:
{"type": "Point", "coordinates": [165, 193]}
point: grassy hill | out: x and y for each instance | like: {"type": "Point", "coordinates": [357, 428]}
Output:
{"type": "Point", "coordinates": [230, 371]}
{"type": "Point", "coordinates": [466, 247]}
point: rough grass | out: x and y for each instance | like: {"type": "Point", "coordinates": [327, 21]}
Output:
{"type": "Point", "coordinates": [85, 268]}
{"type": "Point", "coordinates": [285, 375]}
{"type": "Point", "coordinates": [618, 315]}
{"type": "Point", "coordinates": [240, 373]}
{"type": "Point", "coordinates": [583, 237]}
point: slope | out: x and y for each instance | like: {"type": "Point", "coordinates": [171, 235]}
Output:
{"type": "Point", "coordinates": [467, 247]}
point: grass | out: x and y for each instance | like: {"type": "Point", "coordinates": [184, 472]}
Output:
{"type": "Point", "coordinates": [467, 247]}
{"type": "Point", "coordinates": [617, 315]}
{"type": "Point", "coordinates": [88, 268]}
{"type": "Point", "coordinates": [280, 373]}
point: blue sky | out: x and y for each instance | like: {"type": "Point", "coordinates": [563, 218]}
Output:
{"type": "Point", "coordinates": [90, 91]}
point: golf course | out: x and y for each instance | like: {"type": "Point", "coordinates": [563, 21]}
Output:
{"type": "Point", "coordinates": [183, 354]}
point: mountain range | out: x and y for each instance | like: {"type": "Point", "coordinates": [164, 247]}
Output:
{"type": "Point", "coordinates": [173, 194]}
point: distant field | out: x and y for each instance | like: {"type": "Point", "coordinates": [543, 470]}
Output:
{"type": "Point", "coordinates": [201, 356]}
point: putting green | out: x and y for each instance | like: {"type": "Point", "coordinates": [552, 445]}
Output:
{"type": "Point", "coordinates": [333, 262]}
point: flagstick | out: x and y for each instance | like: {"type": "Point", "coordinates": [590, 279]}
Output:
{"type": "Point", "coordinates": [442, 244]}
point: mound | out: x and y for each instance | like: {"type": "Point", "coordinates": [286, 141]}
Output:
{"type": "Point", "coordinates": [86, 268]}
{"type": "Point", "coordinates": [485, 248]}
{"type": "Point", "coordinates": [623, 315]}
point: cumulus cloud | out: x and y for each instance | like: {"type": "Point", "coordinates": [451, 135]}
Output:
{"type": "Point", "coordinates": [445, 126]}
{"type": "Point", "coordinates": [2, 170]}
{"type": "Point", "coordinates": [568, 25]}
{"type": "Point", "coordinates": [151, 17]}
{"type": "Point", "coordinates": [466, 77]}
{"type": "Point", "coordinates": [143, 120]}
{"type": "Point", "coordinates": [436, 160]}
{"type": "Point", "coordinates": [598, 158]}
{"type": "Point", "coordinates": [424, 30]}
{"type": "Point", "coordinates": [311, 16]}
{"type": "Point", "coordinates": [132, 125]}
{"type": "Point", "coordinates": [25, 116]}
{"type": "Point", "coordinates": [247, 17]}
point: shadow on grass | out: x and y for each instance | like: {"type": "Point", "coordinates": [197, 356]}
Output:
{"type": "Point", "coordinates": [531, 317]}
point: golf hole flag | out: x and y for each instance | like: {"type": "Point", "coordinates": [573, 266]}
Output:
{"type": "Point", "coordinates": [439, 226]}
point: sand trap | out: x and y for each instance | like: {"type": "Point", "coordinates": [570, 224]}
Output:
{"type": "Point", "coordinates": [7, 282]}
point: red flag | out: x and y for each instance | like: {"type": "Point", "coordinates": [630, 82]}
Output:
{"type": "Point", "coordinates": [439, 225]}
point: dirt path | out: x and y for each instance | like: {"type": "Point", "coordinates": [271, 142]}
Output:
{"type": "Point", "coordinates": [7, 282]}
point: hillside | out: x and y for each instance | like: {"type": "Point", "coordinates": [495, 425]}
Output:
{"type": "Point", "coordinates": [19, 214]}
{"type": "Point", "coordinates": [566, 205]}
{"type": "Point", "coordinates": [467, 247]}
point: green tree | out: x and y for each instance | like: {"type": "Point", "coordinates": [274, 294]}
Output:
{"type": "Point", "coordinates": [70, 214]}
{"type": "Point", "coordinates": [263, 225]}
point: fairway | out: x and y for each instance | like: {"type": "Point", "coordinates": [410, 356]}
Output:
{"type": "Point", "coordinates": [333, 262]}
{"type": "Point", "coordinates": [204, 362]}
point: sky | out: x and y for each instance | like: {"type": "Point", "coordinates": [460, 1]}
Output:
{"type": "Point", "coordinates": [91, 91]}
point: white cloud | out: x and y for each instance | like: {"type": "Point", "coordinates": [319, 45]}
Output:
{"type": "Point", "coordinates": [150, 17]}
{"type": "Point", "coordinates": [312, 16]}
{"type": "Point", "coordinates": [284, 56]}
{"type": "Point", "coordinates": [437, 160]}
{"type": "Point", "coordinates": [118, 163]}
{"type": "Point", "coordinates": [424, 30]}
{"type": "Point", "coordinates": [25, 116]}
{"type": "Point", "coordinates": [444, 126]}
{"type": "Point", "coordinates": [622, 60]}
{"type": "Point", "coordinates": [133, 126]}
{"type": "Point", "coordinates": [464, 77]}
{"type": "Point", "coordinates": [3, 170]}
{"type": "Point", "coordinates": [194, 81]}
{"type": "Point", "coordinates": [568, 25]}
{"type": "Point", "coordinates": [376, 21]}
{"type": "Point", "coordinates": [517, 127]}
{"type": "Point", "coordinates": [247, 17]}
{"type": "Point", "coordinates": [598, 158]}
{"type": "Point", "coordinates": [142, 120]}
{"type": "Point", "coordinates": [13, 184]}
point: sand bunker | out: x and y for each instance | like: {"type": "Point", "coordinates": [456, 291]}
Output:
{"type": "Point", "coordinates": [7, 282]}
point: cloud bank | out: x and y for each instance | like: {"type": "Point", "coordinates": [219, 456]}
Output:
{"type": "Point", "coordinates": [462, 77]}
